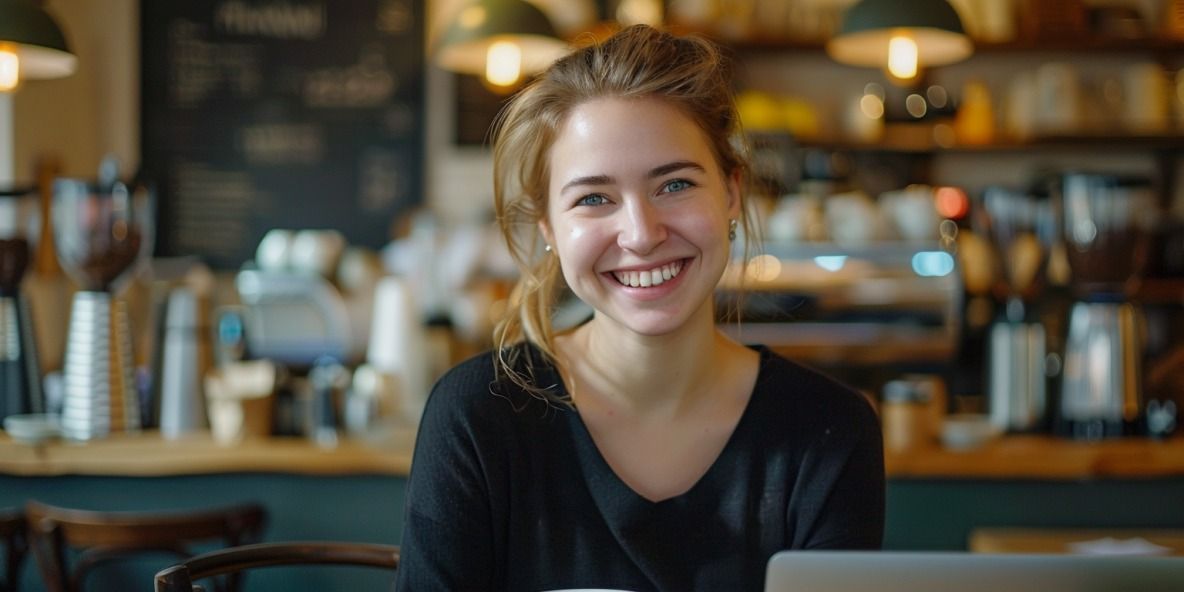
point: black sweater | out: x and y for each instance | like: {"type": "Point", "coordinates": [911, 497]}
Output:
{"type": "Point", "coordinates": [509, 493]}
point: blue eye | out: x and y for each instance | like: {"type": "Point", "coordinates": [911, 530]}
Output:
{"type": "Point", "coordinates": [595, 199]}
{"type": "Point", "coordinates": [677, 185]}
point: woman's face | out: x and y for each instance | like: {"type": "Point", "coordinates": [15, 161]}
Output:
{"type": "Point", "coordinates": [638, 212]}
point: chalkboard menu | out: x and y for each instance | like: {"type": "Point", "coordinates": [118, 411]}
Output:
{"type": "Point", "coordinates": [261, 114]}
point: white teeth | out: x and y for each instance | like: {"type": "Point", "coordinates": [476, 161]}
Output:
{"type": "Point", "coordinates": [646, 279]}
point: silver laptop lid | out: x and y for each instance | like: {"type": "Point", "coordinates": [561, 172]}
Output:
{"type": "Point", "coordinates": [843, 571]}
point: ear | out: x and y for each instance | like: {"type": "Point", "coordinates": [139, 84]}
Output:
{"type": "Point", "coordinates": [733, 188]}
{"type": "Point", "coordinates": [545, 230]}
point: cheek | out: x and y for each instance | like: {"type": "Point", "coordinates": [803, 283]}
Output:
{"type": "Point", "coordinates": [577, 247]}
{"type": "Point", "coordinates": [709, 224]}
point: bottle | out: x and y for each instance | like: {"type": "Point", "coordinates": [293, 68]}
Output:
{"type": "Point", "coordinates": [182, 409]}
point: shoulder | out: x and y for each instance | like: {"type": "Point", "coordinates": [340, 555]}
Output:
{"type": "Point", "coordinates": [808, 398]}
{"type": "Point", "coordinates": [473, 389]}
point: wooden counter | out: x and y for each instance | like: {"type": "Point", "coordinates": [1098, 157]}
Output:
{"type": "Point", "coordinates": [1063, 540]}
{"type": "Point", "coordinates": [148, 455]}
{"type": "Point", "coordinates": [1043, 457]}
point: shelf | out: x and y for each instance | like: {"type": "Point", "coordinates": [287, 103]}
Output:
{"type": "Point", "coordinates": [1084, 45]}
{"type": "Point", "coordinates": [867, 344]}
{"type": "Point", "coordinates": [1060, 143]}
{"type": "Point", "coordinates": [894, 252]}
{"type": "Point", "coordinates": [1089, 45]}
{"type": "Point", "coordinates": [1160, 291]}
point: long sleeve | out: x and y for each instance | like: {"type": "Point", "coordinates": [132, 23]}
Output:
{"type": "Point", "coordinates": [838, 502]}
{"type": "Point", "coordinates": [852, 515]}
{"type": "Point", "coordinates": [448, 533]}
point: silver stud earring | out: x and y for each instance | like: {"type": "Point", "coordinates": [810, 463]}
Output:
{"type": "Point", "coordinates": [547, 248]}
{"type": "Point", "coordinates": [732, 229]}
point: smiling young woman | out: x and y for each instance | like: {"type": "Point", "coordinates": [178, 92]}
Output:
{"type": "Point", "coordinates": [642, 449]}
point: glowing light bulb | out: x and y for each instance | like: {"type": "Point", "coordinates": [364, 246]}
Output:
{"type": "Point", "coordinates": [503, 63]}
{"type": "Point", "coordinates": [10, 68]}
{"type": "Point", "coordinates": [902, 57]}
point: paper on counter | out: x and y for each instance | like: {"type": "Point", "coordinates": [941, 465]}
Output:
{"type": "Point", "coordinates": [1113, 546]}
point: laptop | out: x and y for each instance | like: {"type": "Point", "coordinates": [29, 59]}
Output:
{"type": "Point", "coordinates": [929, 571]}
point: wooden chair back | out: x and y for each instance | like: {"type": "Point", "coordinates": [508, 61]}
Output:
{"type": "Point", "coordinates": [55, 533]}
{"type": "Point", "coordinates": [12, 533]}
{"type": "Point", "coordinates": [180, 577]}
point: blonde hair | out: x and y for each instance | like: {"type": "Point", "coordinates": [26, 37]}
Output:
{"type": "Point", "coordinates": [689, 73]}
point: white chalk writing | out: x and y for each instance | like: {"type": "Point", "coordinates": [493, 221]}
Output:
{"type": "Point", "coordinates": [279, 20]}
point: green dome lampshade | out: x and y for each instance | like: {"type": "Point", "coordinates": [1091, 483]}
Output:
{"type": "Point", "coordinates": [478, 25]}
{"type": "Point", "coordinates": [38, 41]}
{"type": "Point", "coordinates": [863, 38]}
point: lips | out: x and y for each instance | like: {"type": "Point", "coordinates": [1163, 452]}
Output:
{"type": "Point", "coordinates": [648, 278]}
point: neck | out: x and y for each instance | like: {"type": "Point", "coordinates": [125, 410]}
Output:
{"type": "Point", "coordinates": [640, 373]}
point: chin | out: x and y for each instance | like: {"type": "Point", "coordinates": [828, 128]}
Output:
{"type": "Point", "coordinates": [652, 325]}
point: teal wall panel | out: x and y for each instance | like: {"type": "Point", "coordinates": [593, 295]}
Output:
{"type": "Point", "coordinates": [357, 508]}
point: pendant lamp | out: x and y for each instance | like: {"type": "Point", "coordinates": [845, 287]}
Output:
{"type": "Point", "coordinates": [902, 36]}
{"type": "Point", "coordinates": [31, 44]}
{"type": "Point", "coordinates": [500, 40]}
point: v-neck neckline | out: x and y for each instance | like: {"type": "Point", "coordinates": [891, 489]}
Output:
{"type": "Point", "coordinates": [601, 474]}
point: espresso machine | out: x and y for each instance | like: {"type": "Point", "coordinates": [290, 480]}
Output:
{"type": "Point", "coordinates": [20, 372]}
{"type": "Point", "coordinates": [1107, 224]}
{"type": "Point", "coordinates": [1022, 228]}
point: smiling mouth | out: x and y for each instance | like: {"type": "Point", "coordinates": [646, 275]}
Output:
{"type": "Point", "coordinates": [649, 278]}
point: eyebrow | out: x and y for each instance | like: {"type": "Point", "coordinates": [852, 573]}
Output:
{"type": "Point", "coordinates": [657, 171]}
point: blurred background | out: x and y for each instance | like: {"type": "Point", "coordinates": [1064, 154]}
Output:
{"type": "Point", "coordinates": [272, 218]}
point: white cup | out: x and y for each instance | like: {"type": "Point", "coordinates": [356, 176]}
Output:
{"type": "Point", "coordinates": [912, 212]}
{"type": "Point", "coordinates": [852, 219]}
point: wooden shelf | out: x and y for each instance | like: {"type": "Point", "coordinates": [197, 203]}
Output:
{"type": "Point", "coordinates": [1086, 45]}
{"type": "Point", "coordinates": [148, 455]}
{"type": "Point", "coordinates": [1043, 458]}
{"type": "Point", "coordinates": [1060, 143]}
{"type": "Point", "coordinates": [1160, 291]}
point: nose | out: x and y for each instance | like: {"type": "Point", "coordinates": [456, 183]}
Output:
{"type": "Point", "coordinates": [642, 227]}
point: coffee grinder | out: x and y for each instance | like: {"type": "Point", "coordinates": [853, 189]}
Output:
{"type": "Point", "coordinates": [1107, 226]}
{"type": "Point", "coordinates": [102, 232]}
{"type": "Point", "coordinates": [20, 373]}
{"type": "Point", "coordinates": [1022, 228]}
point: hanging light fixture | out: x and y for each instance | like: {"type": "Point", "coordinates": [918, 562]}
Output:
{"type": "Point", "coordinates": [502, 41]}
{"type": "Point", "coordinates": [31, 45]}
{"type": "Point", "coordinates": [901, 36]}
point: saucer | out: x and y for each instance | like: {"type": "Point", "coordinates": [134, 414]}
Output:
{"type": "Point", "coordinates": [32, 428]}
